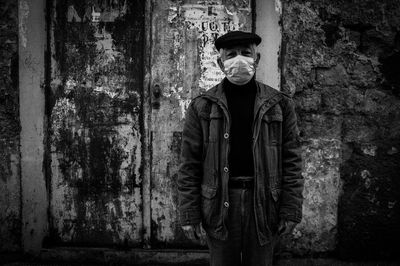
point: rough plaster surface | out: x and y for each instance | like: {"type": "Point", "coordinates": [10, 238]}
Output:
{"type": "Point", "coordinates": [10, 207]}
{"type": "Point", "coordinates": [340, 61]}
{"type": "Point", "coordinates": [318, 230]}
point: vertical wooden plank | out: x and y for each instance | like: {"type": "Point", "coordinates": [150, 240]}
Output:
{"type": "Point", "coordinates": [268, 15]}
{"type": "Point", "coordinates": [32, 45]}
{"type": "Point", "coordinates": [97, 123]}
{"type": "Point", "coordinates": [10, 175]}
{"type": "Point", "coordinates": [147, 92]}
{"type": "Point", "coordinates": [183, 65]}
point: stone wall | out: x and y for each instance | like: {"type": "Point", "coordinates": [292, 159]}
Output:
{"type": "Point", "coordinates": [10, 219]}
{"type": "Point", "coordinates": [341, 61]}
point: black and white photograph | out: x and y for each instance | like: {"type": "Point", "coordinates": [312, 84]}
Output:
{"type": "Point", "coordinates": [200, 132]}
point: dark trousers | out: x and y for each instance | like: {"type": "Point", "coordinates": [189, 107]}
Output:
{"type": "Point", "coordinates": [242, 246]}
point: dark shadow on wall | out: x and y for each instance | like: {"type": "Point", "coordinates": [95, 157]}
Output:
{"type": "Point", "coordinates": [369, 210]}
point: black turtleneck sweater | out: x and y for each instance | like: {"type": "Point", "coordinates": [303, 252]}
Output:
{"type": "Point", "coordinates": [241, 107]}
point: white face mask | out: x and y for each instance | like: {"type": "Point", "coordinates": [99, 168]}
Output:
{"type": "Point", "coordinates": [240, 69]}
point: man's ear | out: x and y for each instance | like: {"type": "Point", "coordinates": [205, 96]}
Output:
{"type": "Point", "coordinates": [220, 64]}
{"type": "Point", "coordinates": [258, 56]}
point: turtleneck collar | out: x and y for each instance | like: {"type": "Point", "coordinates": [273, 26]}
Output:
{"type": "Point", "coordinates": [249, 87]}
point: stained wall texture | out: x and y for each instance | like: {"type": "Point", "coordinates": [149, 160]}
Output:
{"type": "Point", "coordinates": [96, 122]}
{"type": "Point", "coordinates": [10, 218]}
{"type": "Point", "coordinates": [340, 60]}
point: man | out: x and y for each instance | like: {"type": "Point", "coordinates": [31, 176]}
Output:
{"type": "Point", "coordinates": [240, 177]}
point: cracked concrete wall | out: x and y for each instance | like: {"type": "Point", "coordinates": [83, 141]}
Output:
{"type": "Point", "coordinates": [340, 60]}
{"type": "Point", "coordinates": [10, 207]}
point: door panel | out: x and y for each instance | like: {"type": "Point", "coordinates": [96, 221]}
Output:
{"type": "Point", "coordinates": [96, 122]}
{"type": "Point", "coordinates": [183, 64]}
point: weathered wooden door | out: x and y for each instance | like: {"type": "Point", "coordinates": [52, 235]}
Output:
{"type": "Point", "coordinates": [96, 121]}
{"type": "Point", "coordinates": [183, 65]}
{"type": "Point", "coordinates": [122, 74]}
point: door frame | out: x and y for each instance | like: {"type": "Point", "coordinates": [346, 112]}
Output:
{"type": "Point", "coordinates": [33, 50]}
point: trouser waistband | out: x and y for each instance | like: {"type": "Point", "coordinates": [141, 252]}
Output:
{"type": "Point", "coordinates": [241, 184]}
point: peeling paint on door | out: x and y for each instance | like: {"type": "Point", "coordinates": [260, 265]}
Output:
{"type": "Point", "coordinates": [24, 13]}
{"type": "Point", "coordinates": [96, 122]}
{"type": "Point", "coordinates": [183, 66]}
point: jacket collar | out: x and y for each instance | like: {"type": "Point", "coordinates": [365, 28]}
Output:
{"type": "Point", "coordinates": [265, 94]}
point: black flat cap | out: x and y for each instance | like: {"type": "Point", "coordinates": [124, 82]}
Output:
{"type": "Point", "coordinates": [236, 38]}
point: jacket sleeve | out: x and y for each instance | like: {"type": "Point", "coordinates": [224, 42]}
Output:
{"type": "Point", "coordinates": [292, 180]}
{"type": "Point", "coordinates": [190, 170]}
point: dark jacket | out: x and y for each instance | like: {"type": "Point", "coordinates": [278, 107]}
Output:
{"type": "Point", "coordinates": [204, 171]}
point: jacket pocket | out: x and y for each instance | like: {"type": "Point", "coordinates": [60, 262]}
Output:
{"type": "Point", "coordinates": [269, 118]}
{"type": "Point", "coordinates": [275, 194]}
{"type": "Point", "coordinates": [208, 203]}
{"type": "Point", "coordinates": [272, 128]}
{"type": "Point", "coordinates": [216, 126]}
{"type": "Point", "coordinates": [208, 192]}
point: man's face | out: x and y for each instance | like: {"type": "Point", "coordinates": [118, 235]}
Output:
{"type": "Point", "coordinates": [248, 50]}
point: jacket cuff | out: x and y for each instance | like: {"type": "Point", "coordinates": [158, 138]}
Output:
{"type": "Point", "coordinates": [190, 216]}
{"type": "Point", "coordinates": [290, 215]}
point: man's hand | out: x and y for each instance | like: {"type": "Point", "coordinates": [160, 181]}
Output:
{"type": "Point", "coordinates": [285, 227]}
{"type": "Point", "coordinates": [195, 232]}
